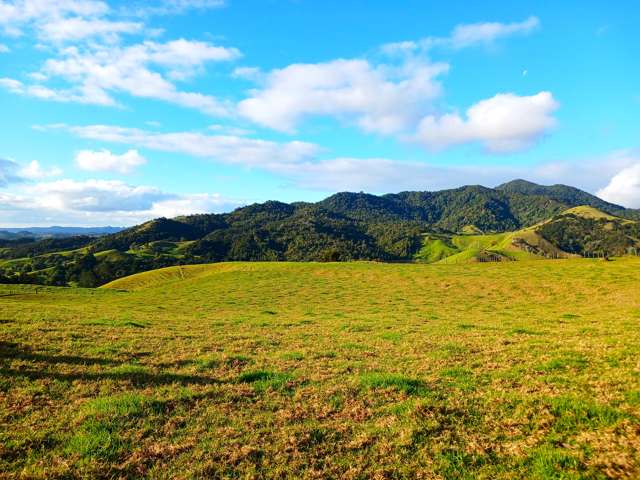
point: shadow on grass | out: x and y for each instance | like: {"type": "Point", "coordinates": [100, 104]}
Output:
{"type": "Point", "coordinates": [136, 378]}
{"type": "Point", "coordinates": [14, 351]}
{"type": "Point", "coordinates": [137, 375]}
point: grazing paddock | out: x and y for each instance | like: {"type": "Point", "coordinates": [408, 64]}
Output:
{"type": "Point", "coordinates": [356, 370]}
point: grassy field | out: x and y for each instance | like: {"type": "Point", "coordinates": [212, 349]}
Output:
{"type": "Point", "coordinates": [360, 370]}
{"type": "Point", "coordinates": [468, 248]}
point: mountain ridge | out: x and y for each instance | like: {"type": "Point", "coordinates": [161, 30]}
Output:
{"type": "Point", "coordinates": [344, 226]}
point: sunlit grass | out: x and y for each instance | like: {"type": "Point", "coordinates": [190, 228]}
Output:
{"type": "Point", "coordinates": [359, 370]}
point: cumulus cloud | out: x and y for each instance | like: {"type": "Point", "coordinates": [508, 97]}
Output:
{"type": "Point", "coordinates": [62, 20]}
{"type": "Point", "coordinates": [193, 204]}
{"type": "Point", "coordinates": [379, 98]}
{"type": "Point", "coordinates": [99, 202]}
{"type": "Point", "coordinates": [106, 161]}
{"type": "Point", "coordinates": [76, 28]}
{"type": "Point", "coordinates": [397, 97]}
{"type": "Point", "coordinates": [14, 172]}
{"type": "Point", "coordinates": [299, 163]}
{"type": "Point", "coordinates": [91, 66]}
{"type": "Point", "coordinates": [624, 187]}
{"type": "Point", "coordinates": [69, 20]}
{"type": "Point", "coordinates": [302, 164]}
{"type": "Point", "coordinates": [86, 95]}
{"type": "Point", "coordinates": [504, 123]}
{"type": "Point", "coordinates": [94, 195]}
{"type": "Point", "coordinates": [231, 149]}
{"type": "Point", "coordinates": [34, 171]}
{"type": "Point", "coordinates": [141, 70]}
{"type": "Point", "coordinates": [21, 11]}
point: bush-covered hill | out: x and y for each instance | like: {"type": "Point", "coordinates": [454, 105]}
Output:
{"type": "Point", "coordinates": [587, 232]}
{"type": "Point", "coordinates": [345, 226]}
{"type": "Point", "coordinates": [581, 231]}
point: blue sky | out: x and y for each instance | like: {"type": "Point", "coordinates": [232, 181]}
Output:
{"type": "Point", "coordinates": [117, 112]}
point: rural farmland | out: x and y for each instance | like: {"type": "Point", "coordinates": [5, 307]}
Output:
{"type": "Point", "coordinates": [306, 370]}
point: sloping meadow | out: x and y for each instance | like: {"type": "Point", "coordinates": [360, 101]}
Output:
{"type": "Point", "coordinates": [354, 370]}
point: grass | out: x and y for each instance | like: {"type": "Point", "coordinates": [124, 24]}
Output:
{"type": "Point", "coordinates": [472, 246]}
{"type": "Point", "coordinates": [358, 370]}
{"type": "Point", "coordinates": [402, 383]}
{"type": "Point", "coordinates": [435, 249]}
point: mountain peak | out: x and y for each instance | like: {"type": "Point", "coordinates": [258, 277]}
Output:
{"type": "Point", "coordinates": [521, 186]}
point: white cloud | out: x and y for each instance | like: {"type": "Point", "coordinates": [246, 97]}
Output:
{"type": "Point", "coordinates": [230, 130]}
{"type": "Point", "coordinates": [298, 162]}
{"type": "Point", "coordinates": [92, 96]}
{"type": "Point", "coordinates": [106, 161]}
{"type": "Point", "coordinates": [465, 36]}
{"type": "Point", "coordinates": [8, 172]}
{"type": "Point", "coordinates": [13, 172]}
{"type": "Point", "coordinates": [34, 171]}
{"type": "Point", "coordinates": [99, 202]}
{"type": "Point", "coordinates": [249, 73]}
{"type": "Point", "coordinates": [591, 174]}
{"type": "Point", "coordinates": [21, 11]}
{"type": "Point", "coordinates": [94, 195]}
{"type": "Point", "coordinates": [76, 28]}
{"type": "Point", "coordinates": [301, 164]}
{"type": "Point", "coordinates": [400, 48]}
{"type": "Point", "coordinates": [172, 7]}
{"type": "Point", "coordinates": [193, 204]}
{"type": "Point", "coordinates": [225, 148]}
{"type": "Point", "coordinates": [62, 20]}
{"type": "Point", "coordinates": [387, 98]}
{"type": "Point", "coordinates": [624, 188]}
{"type": "Point", "coordinates": [95, 73]}
{"type": "Point", "coordinates": [383, 98]}
{"type": "Point", "coordinates": [71, 20]}
{"type": "Point", "coordinates": [4, 48]}
{"type": "Point", "coordinates": [381, 175]}
{"type": "Point", "coordinates": [12, 85]}
{"type": "Point", "coordinates": [485, 33]}
{"type": "Point", "coordinates": [504, 123]}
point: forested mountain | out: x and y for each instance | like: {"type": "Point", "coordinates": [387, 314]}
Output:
{"type": "Point", "coordinates": [345, 226]}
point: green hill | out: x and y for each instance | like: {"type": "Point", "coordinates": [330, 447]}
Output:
{"type": "Point", "coordinates": [588, 232]}
{"type": "Point", "coordinates": [471, 223]}
{"type": "Point", "coordinates": [579, 231]}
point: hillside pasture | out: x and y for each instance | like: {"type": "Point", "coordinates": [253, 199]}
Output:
{"type": "Point", "coordinates": [305, 370]}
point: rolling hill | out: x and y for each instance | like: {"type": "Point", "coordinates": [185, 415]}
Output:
{"type": "Point", "coordinates": [517, 220]}
{"type": "Point", "coordinates": [582, 231]}
{"type": "Point", "coordinates": [521, 370]}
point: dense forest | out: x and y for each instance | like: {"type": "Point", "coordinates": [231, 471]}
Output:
{"type": "Point", "coordinates": [343, 227]}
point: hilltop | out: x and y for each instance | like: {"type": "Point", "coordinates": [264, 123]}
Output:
{"type": "Point", "coordinates": [513, 221]}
